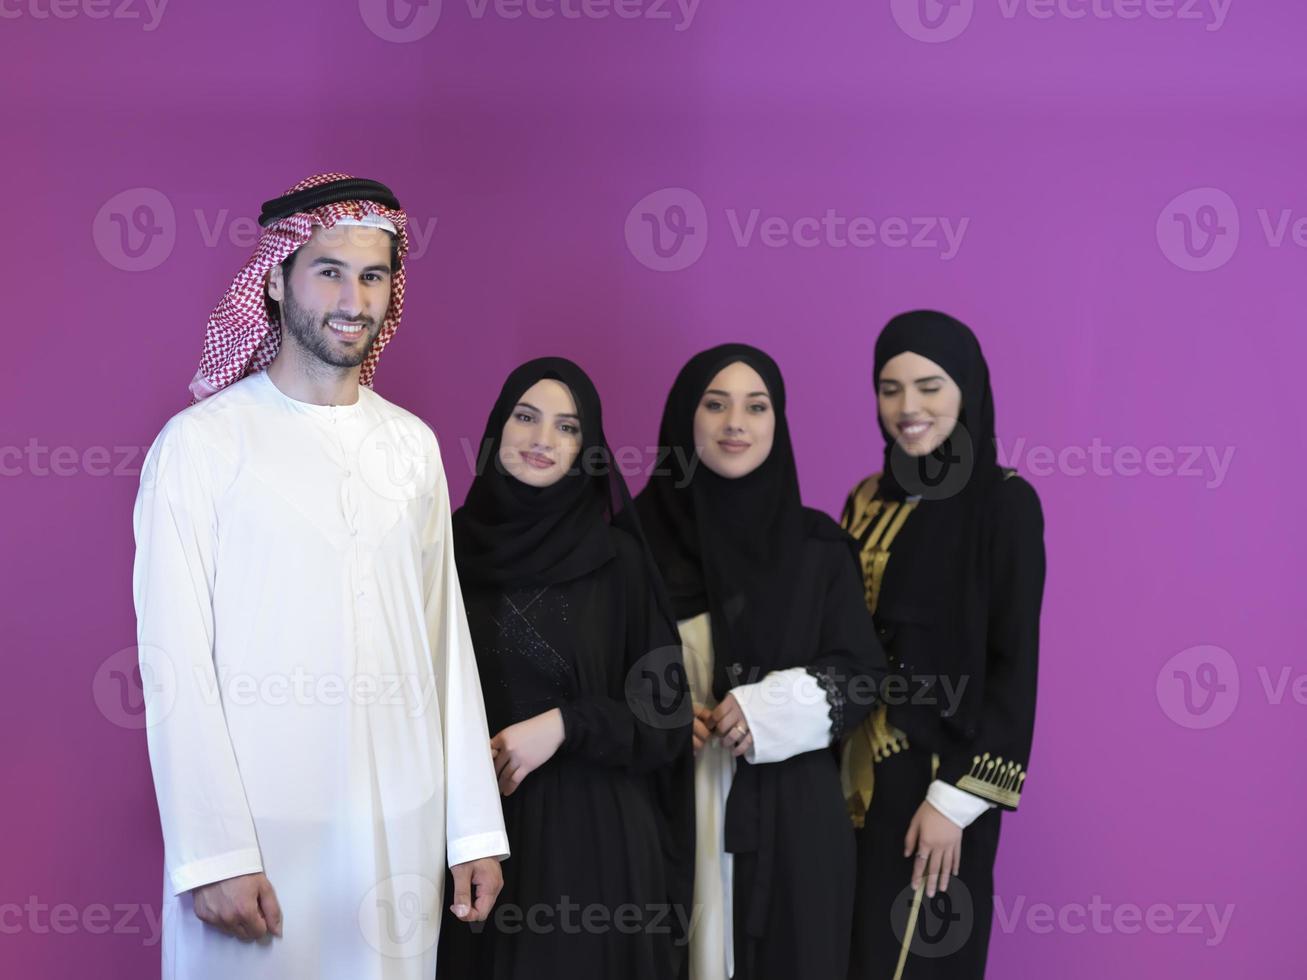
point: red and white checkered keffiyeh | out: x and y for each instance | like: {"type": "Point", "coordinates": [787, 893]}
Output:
{"type": "Point", "coordinates": [240, 338]}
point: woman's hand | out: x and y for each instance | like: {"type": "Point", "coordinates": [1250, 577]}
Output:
{"type": "Point", "coordinates": [702, 727]}
{"type": "Point", "coordinates": [521, 749]}
{"type": "Point", "coordinates": [937, 841]}
{"type": "Point", "coordinates": [728, 722]}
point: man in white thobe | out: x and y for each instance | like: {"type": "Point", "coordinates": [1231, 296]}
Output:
{"type": "Point", "coordinates": [314, 715]}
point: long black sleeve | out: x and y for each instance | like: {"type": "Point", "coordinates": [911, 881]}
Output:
{"type": "Point", "coordinates": [993, 764]}
{"type": "Point", "coordinates": [643, 721]}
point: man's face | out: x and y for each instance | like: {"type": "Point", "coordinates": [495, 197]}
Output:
{"type": "Point", "coordinates": [336, 296]}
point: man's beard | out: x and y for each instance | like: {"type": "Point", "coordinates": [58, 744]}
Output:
{"type": "Point", "coordinates": [309, 328]}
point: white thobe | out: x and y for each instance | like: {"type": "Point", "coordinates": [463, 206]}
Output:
{"type": "Point", "coordinates": [313, 708]}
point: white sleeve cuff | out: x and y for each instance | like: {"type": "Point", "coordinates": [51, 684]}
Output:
{"type": "Point", "coordinates": [786, 713]}
{"type": "Point", "coordinates": [957, 804]}
{"type": "Point", "coordinates": [465, 849]}
{"type": "Point", "coordinates": [218, 868]}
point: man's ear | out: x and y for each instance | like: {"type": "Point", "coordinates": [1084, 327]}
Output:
{"type": "Point", "coordinates": [276, 285]}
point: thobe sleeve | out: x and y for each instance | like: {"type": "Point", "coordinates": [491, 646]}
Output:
{"type": "Point", "coordinates": [474, 821]}
{"type": "Point", "coordinates": [208, 831]}
{"type": "Point", "coordinates": [993, 764]}
{"type": "Point", "coordinates": [801, 709]}
{"type": "Point", "coordinates": [650, 724]}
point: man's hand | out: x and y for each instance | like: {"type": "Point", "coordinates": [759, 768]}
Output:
{"type": "Point", "coordinates": [483, 875]}
{"type": "Point", "coordinates": [521, 749]}
{"type": "Point", "coordinates": [938, 843]}
{"type": "Point", "coordinates": [245, 906]}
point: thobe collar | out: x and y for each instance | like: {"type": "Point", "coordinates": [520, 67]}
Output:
{"type": "Point", "coordinates": [325, 412]}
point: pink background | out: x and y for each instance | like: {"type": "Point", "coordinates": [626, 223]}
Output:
{"type": "Point", "coordinates": [1061, 141]}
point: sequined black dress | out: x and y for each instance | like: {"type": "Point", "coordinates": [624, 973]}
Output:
{"type": "Point", "coordinates": [586, 888]}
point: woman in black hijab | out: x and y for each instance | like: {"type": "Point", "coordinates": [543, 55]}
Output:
{"type": "Point", "coordinates": [782, 657]}
{"type": "Point", "coordinates": [957, 607]}
{"type": "Point", "coordinates": [585, 693]}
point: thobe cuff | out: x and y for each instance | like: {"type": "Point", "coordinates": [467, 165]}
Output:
{"type": "Point", "coordinates": [477, 846]}
{"type": "Point", "coordinates": [220, 867]}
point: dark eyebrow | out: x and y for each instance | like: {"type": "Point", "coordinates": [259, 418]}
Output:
{"type": "Point", "coordinates": [561, 415]}
{"type": "Point", "coordinates": [727, 394]}
{"type": "Point", "coordinates": [337, 263]}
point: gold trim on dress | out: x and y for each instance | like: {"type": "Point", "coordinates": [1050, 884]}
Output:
{"type": "Point", "coordinates": [875, 740]}
{"type": "Point", "coordinates": [994, 779]}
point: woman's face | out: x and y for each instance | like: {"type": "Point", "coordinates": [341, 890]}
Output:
{"type": "Point", "coordinates": [919, 403]}
{"type": "Point", "coordinates": [734, 425]}
{"type": "Point", "coordinates": [542, 436]}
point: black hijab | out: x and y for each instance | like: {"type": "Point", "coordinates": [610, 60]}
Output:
{"type": "Point", "coordinates": [509, 533]}
{"type": "Point", "coordinates": [944, 578]}
{"type": "Point", "coordinates": [727, 546]}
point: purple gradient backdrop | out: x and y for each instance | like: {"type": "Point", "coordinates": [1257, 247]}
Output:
{"type": "Point", "coordinates": [1060, 140]}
